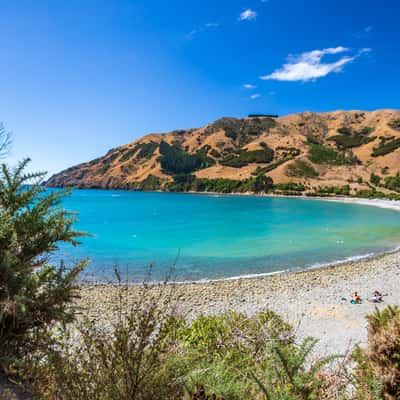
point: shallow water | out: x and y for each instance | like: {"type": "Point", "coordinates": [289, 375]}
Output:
{"type": "Point", "coordinates": [212, 237]}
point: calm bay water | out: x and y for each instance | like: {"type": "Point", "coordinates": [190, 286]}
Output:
{"type": "Point", "coordinates": [211, 237]}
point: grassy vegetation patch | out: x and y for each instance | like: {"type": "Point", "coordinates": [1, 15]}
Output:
{"type": "Point", "coordinates": [393, 183]}
{"type": "Point", "coordinates": [344, 142]}
{"type": "Point", "coordinates": [150, 183]}
{"type": "Point", "coordinates": [386, 146]}
{"type": "Point", "coordinates": [175, 161]}
{"type": "Point", "coordinates": [271, 167]}
{"type": "Point", "coordinates": [243, 131]}
{"type": "Point", "coordinates": [301, 169]}
{"type": "Point", "coordinates": [186, 183]}
{"type": "Point", "coordinates": [320, 154]}
{"type": "Point", "coordinates": [245, 157]}
{"type": "Point", "coordinates": [290, 187]}
{"type": "Point", "coordinates": [143, 150]}
{"type": "Point", "coordinates": [395, 124]}
{"type": "Point", "coordinates": [350, 138]}
{"type": "Point", "coordinates": [331, 190]}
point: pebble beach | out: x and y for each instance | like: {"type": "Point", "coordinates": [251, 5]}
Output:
{"type": "Point", "coordinates": [315, 301]}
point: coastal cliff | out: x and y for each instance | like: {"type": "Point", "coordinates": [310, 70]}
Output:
{"type": "Point", "coordinates": [333, 153]}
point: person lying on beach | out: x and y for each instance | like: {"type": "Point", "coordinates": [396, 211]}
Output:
{"type": "Point", "coordinates": [377, 297]}
{"type": "Point", "coordinates": [356, 299]}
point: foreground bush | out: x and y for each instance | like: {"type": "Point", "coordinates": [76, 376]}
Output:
{"type": "Point", "coordinates": [34, 294]}
{"type": "Point", "coordinates": [378, 366]}
{"type": "Point", "coordinates": [150, 353]}
{"type": "Point", "coordinates": [134, 358]}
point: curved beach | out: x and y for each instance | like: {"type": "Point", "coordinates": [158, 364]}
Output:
{"type": "Point", "coordinates": [316, 301]}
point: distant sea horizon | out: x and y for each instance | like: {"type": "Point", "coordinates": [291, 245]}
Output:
{"type": "Point", "coordinates": [191, 237]}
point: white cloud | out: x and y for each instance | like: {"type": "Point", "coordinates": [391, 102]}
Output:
{"type": "Point", "coordinates": [308, 66]}
{"type": "Point", "coordinates": [247, 15]}
{"type": "Point", "coordinates": [255, 96]}
{"type": "Point", "coordinates": [249, 86]}
{"type": "Point", "coordinates": [209, 25]}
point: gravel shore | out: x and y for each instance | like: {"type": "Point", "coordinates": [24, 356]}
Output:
{"type": "Point", "coordinates": [316, 302]}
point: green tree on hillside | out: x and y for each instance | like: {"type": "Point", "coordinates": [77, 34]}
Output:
{"type": "Point", "coordinates": [33, 292]}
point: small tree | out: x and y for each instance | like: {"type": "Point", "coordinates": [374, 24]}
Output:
{"type": "Point", "coordinates": [33, 292]}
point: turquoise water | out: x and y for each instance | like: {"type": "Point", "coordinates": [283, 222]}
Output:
{"type": "Point", "coordinates": [210, 237]}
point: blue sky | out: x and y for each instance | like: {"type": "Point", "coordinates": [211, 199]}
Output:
{"type": "Point", "coordinates": [80, 77]}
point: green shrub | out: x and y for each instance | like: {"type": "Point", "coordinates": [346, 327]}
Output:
{"type": "Point", "coordinates": [151, 182]}
{"type": "Point", "coordinates": [332, 190]}
{"type": "Point", "coordinates": [347, 131]}
{"type": "Point", "coordinates": [222, 185]}
{"type": "Point", "coordinates": [222, 351]}
{"type": "Point", "coordinates": [271, 167]}
{"type": "Point", "coordinates": [395, 124]}
{"type": "Point", "coordinates": [182, 183]}
{"type": "Point", "coordinates": [378, 366]}
{"type": "Point", "coordinates": [245, 157]}
{"type": "Point", "coordinates": [134, 358]}
{"type": "Point", "coordinates": [320, 154]}
{"type": "Point", "coordinates": [370, 194]}
{"type": "Point", "coordinates": [290, 187]}
{"type": "Point", "coordinates": [301, 169]}
{"type": "Point", "coordinates": [175, 161]}
{"type": "Point", "coordinates": [347, 142]}
{"type": "Point", "coordinates": [215, 153]}
{"type": "Point", "coordinates": [34, 294]}
{"type": "Point", "coordinates": [375, 179]}
{"type": "Point", "coordinates": [293, 376]}
{"type": "Point", "coordinates": [146, 150]}
{"type": "Point", "coordinates": [386, 147]}
{"type": "Point", "coordinates": [393, 183]}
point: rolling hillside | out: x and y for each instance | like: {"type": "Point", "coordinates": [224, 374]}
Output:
{"type": "Point", "coordinates": [341, 152]}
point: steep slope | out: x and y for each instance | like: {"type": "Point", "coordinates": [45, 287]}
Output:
{"type": "Point", "coordinates": [342, 152]}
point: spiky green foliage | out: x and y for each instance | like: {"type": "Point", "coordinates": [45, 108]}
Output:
{"type": "Point", "coordinates": [131, 359]}
{"type": "Point", "coordinates": [33, 292]}
{"type": "Point", "coordinates": [5, 141]}
{"type": "Point", "coordinates": [290, 378]}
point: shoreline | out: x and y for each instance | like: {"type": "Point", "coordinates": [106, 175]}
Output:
{"type": "Point", "coordinates": [380, 203]}
{"type": "Point", "coordinates": [316, 301]}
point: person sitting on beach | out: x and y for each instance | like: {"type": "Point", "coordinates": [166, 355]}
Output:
{"type": "Point", "coordinates": [356, 298]}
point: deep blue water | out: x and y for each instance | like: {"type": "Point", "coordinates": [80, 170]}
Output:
{"type": "Point", "coordinates": [209, 237]}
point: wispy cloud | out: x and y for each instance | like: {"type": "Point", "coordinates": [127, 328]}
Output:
{"type": "Point", "coordinates": [209, 25]}
{"type": "Point", "coordinates": [247, 15]}
{"type": "Point", "coordinates": [308, 66]}
{"type": "Point", "coordinates": [249, 86]}
{"type": "Point", "coordinates": [255, 96]}
{"type": "Point", "coordinates": [364, 33]}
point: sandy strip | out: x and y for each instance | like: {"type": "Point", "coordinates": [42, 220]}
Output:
{"type": "Point", "coordinates": [315, 301]}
